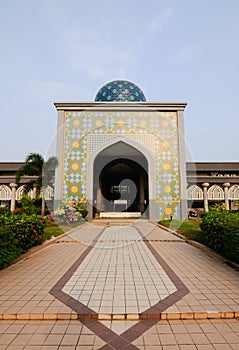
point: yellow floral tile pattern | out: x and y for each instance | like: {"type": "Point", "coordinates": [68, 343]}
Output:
{"type": "Point", "coordinates": [157, 130]}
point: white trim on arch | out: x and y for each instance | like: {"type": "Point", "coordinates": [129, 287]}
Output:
{"type": "Point", "coordinates": [48, 193]}
{"type": "Point", "coordinates": [215, 192]}
{"type": "Point", "coordinates": [233, 193]}
{"type": "Point", "coordinates": [5, 193]}
{"type": "Point", "coordinates": [19, 193]}
{"type": "Point", "coordinates": [194, 192]}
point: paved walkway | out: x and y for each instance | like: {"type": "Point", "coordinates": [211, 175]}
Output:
{"type": "Point", "coordinates": [119, 285]}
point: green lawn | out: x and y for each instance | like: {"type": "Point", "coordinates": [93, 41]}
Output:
{"type": "Point", "coordinates": [190, 229]}
{"type": "Point", "coordinates": [54, 230]}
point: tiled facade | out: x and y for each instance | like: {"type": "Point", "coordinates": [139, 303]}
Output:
{"type": "Point", "coordinates": [84, 132]}
{"type": "Point", "coordinates": [156, 131]}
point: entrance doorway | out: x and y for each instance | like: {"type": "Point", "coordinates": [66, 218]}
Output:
{"type": "Point", "coordinates": [121, 181]}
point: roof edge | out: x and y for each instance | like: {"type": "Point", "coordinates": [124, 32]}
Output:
{"type": "Point", "coordinates": [120, 105]}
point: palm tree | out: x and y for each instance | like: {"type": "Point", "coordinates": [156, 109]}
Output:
{"type": "Point", "coordinates": [41, 171]}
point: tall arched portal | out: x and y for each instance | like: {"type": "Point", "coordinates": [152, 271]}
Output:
{"type": "Point", "coordinates": [121, 131]}
{"type": "Point", "coordinates": [121, 181]}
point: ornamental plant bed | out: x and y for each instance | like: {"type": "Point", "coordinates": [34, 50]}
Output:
{"type": "Point", "coordinates": [18, 233]}
{"type": "Point", "coordinates": [9, 246]}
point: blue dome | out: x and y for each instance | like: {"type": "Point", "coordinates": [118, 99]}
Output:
{"type": "Point", "coordinates": [120, 90]}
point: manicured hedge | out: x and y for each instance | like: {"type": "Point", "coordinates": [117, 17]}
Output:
{"type": "Point", "coordinates": [221, 233]}
{"type": "Point", "coordinates": [9, 247]}
{"type": "Point", "coordinates": [18, 233]}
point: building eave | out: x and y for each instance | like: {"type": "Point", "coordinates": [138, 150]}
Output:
{"type": "Point", "coordinates": [120, 106]}
{"type": "Point", "coordinates": [212, 179]}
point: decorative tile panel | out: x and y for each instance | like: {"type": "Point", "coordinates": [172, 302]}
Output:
{"type": "Point", "coordinates": [86, 131]}
{"type": "Point", "coordinates": [95, 141]}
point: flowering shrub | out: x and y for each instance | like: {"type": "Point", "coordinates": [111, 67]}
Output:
{"type": "Point", "coordinates": [23, 229]}
{"type": "Point", "coordinates": [67, 214]}
{"type": "Point", "coordinates": [27, 229]}
{"type": "Point", "coordinates": [70, 212]}
{"type": "Point", "coordinates": [9, 247]}
{"type": "Point", "coordinates": [4, 210]}
{"type": "Point", "coordinates": [50, 219]}
{"type": "Point", "coordinates": [80, 207]}
{"type": "Point", "coordinates": [28, 206]}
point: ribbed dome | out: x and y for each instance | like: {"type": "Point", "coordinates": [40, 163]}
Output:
{"type": "Point", "coordinates": [120, 90]}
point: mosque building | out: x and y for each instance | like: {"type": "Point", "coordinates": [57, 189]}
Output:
{"type": "Point", "coordinates": [123, 156]}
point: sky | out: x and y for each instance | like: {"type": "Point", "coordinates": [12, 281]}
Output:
{"type": "Point", "coordinates": [65, 50]}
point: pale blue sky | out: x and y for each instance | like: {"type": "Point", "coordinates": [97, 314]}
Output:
{"type": "Point", "coordinates": [65, 50]}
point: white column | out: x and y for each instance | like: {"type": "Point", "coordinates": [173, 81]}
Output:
{"type": "Point", "coordinates": [99, 200]}
{"type": "Point", "coordinates": [205, 185]}
{"type": "Point", "coordinates": [141, 188]}
{"type": "Point", "coordinates": [34, 192]}
{"type": "Point", "coordinates": [182, 164]}
{"type": "Point", "coordinates": [59, 172]}
{"type": "Point", "coordinates": [13, 196]}
{"type": "Point", "coordinates": [226, 185]}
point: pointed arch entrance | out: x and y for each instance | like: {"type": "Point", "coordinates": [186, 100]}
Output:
{"type": "Point", "coordinates": [123, 184]}
{"type": "Point", "coordinates": [121, 180]}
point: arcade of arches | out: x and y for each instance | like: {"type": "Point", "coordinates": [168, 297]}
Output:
{"type": "Point", "coordinates": [213, 175]}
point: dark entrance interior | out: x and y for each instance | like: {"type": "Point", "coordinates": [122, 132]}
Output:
{"type": "Point", "coordinates": [120, 183]}
{"type": "Point", "coordinates": [121, 180]}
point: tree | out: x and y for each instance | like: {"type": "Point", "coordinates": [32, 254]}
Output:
{"type": "Point", "coordinates": [41, 171]}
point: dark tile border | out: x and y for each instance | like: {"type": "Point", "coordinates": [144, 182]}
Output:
{"type": "Point", "coordinates": [181, 291]}
{"type": "Point", "coordinates": [66, 299]}
{"type": "Point", "coordinates": [148, 318]}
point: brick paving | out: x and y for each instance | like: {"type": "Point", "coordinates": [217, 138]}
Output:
{"type": "Point", "coordinates": [126, 277]}
{"type": "Point", "coordinates": [62, 297]}
{"type": "Point", "coordinates": [221, 334]}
